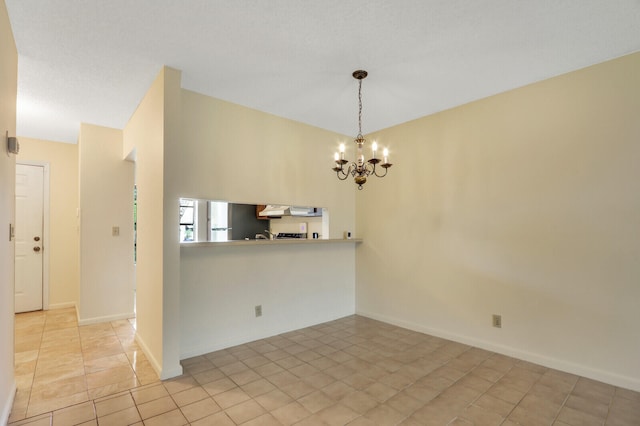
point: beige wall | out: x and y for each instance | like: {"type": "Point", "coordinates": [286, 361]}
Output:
{"type": "Point", "coordinates": [525, 204]}
{"type": "Point", "coordinates": [173, 169]}
{"type": "Point", "coordinates": [63, 221]}
{"type": "Point", "coordinates": [190, 145]}
{"type": "Point", "coordinates": [144, 140]}
{"type": "Point", "coordinates": [106, 201]}
{"type": "Point", "coordinates": [229, 152]}
{"type": "Point", "coordinates": [297, 285]}
{"type": "Point", "coordinates": [8, 93]}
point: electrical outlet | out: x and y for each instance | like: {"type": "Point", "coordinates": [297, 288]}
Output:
{"type": "Point", "coordinates": [497, 321]}
{"type": "Point", "coordinates": [258, 310]}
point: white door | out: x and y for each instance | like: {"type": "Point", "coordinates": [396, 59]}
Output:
{"type": "Point", "coordinates": [28, 237]}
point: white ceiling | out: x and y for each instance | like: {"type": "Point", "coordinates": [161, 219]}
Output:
{"type": "Point", "coordinates": [92, 61]}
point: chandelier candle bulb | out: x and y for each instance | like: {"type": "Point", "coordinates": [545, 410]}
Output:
{"type": "Point", "coordinates": [374, 148]}
{"type": "Point", "coordinates": [336, 157]}
{"type": "Point", "coordinates": [385, 154]}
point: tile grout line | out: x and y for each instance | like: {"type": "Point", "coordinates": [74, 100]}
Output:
{"type": "Point", "coordinates": [615, 392]}
{"type": "Point", "coordinates": [519, 400]}
{"type": "Point", "coordinates": [483, 393]}
{"type": "Point", "coordinates": [84, 368]}
{"type": "Point", "coordinates": [441, 391]}
{"type": "Point", "coordinates": [35, 368]}
{"type": "Point", "coordinates": [135, 404]}
{"type": "Point", "coordinates": [566, 398]}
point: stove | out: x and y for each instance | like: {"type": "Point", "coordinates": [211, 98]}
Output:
{"type": "Point", "coordinates": [290, 235]}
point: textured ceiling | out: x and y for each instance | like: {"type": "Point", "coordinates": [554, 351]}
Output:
{"type": "Point", "coordinates": [92, 61]}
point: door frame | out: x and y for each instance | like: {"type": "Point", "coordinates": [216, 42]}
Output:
{"type": "Point", "coordinates": [46, 246]}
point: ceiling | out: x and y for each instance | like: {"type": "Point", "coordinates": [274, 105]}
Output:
{"type": "Point", "coordinates": [92, 61]}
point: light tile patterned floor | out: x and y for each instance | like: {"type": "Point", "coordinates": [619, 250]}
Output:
{"type": "Point", "coordinates": [58, 364]}
{"type": "Point", "coordinates": [353, 371]}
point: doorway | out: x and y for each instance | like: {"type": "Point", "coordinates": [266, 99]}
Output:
{"type": "Point", "coordinates": [31, 237]}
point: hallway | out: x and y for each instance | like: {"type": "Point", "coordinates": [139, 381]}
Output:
{"type": "Point", "coordinates": [59, 364]}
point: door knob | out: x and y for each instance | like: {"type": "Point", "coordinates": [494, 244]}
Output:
{"type": "Point", "coordinates": [36, 238]}
{"type": "Point", "coordinates": [36, 249]}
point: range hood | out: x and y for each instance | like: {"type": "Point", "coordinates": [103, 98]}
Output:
{"type": "Point", "coordinates": [272, 210]}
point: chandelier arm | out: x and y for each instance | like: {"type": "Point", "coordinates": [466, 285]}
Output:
{"type": "Point", "coordinates": [376, 173]}
{"type": "Point", "coordinates": [343, 174]}
{"type": "Point", "coordinates": [350, 171]}
{"type": "Point", "coordinates": [354, 169]}
{"type": "Point", "coordinates": [360, 171]}
{"type": "Point", "coordinates": [369, 168]}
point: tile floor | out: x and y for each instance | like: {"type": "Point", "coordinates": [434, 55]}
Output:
{"type": "Point", "coordinates": [353, 371]}
{"type": "Point", "coordinates": [58, 364]}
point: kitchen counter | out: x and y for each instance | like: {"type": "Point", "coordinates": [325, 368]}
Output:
{"type": "Point", "coordinates": [286, 241]}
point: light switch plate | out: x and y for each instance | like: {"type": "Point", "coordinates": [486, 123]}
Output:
{"type": "Point", "coordinates": [115, 231]}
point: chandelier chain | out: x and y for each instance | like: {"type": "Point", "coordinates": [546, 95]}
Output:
{"type": "Point", "coordinates": [360, 107]}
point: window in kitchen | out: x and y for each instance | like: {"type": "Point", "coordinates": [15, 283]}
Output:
{"type": "Point", "coordinates": [219, 220]}
{"type": "Point", "coordinates": [187, 219]}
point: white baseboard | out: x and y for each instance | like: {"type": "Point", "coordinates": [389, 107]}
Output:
{"type": "Point", "coordinates": [154, 362]}
{"type": "Point", "coordinates": [6, 410]}
{"type": "Point", "coordinates": [224, 344]}
{"type": "Point", "coordinates": [62, 305]}
{"type": "Point", "coordinates": [170, 373]}
{"type": "Point", "coordinates": [162, 373]}
{"type": "Point", "coordinates": [550, 362]}
{"type": "Point", "coordinates": [96, 320]}
{"type": "Point", "coordinates": [217, 345]}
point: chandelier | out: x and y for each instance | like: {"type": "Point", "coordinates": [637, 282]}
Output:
{"type": "Point", "coordinates": [360, 169]}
